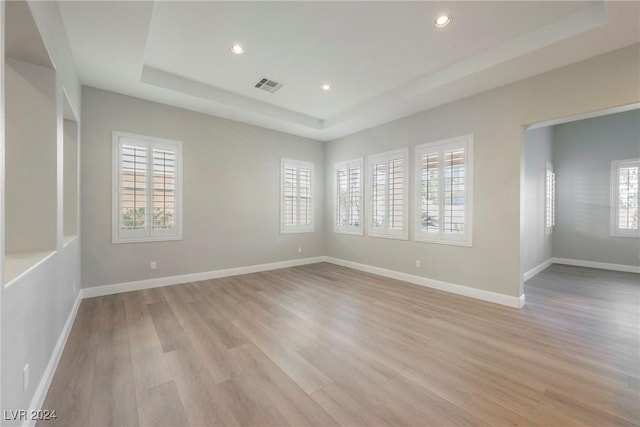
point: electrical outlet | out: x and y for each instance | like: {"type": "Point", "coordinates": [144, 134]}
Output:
{"type": "Point", "coordinates": [299, 249]}
{"type": "Point", "coordinates": [418, 263]}
{"type": "Point", "coordinates": [153, 265]}
{"type": "Point", "coordinates": [25, 377]}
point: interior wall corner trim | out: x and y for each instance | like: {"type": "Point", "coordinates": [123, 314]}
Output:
{"type": "Point", "coordinates": [537, 269]}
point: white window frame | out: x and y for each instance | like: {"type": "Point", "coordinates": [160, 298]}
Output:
{"type": "Point", "coordinates": [614, 215]}
{"type": "Point", "coordinates": [298, 228]}
{"type": "Point", "coordinates": [400, 234]}
{"type": "Point", "coordinates": [463, 239]}
{"type": "Point", "coordinates": [348, 165]}
{"type": "Point", "coordinates": [148, 234]}
{"type": "Point", "coordinates": [549, 199]}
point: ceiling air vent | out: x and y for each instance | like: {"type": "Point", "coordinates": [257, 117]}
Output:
{"type": "Point", "coordinates": [268, 85]}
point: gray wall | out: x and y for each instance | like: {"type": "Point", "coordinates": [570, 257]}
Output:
{"type": "Point", "coordinates": [495, 118]}
{"type": "Point", "coordinates": [582, 153]}
{"type": "Point", "coordinates": [231, 193]}
{"type": "Point", "coordinates": [536, 244]}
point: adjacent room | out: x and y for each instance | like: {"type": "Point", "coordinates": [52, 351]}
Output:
{"type": "Point", "coordinates": [579, 193]}
{"type": "Point", "coordinates": [319, 213]}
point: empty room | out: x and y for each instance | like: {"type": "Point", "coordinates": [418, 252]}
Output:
{"type": "Point", "coordinates": [319, 213]}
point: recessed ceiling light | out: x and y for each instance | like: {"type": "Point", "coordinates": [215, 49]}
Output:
{"type": "Point", "coordinates": [326, 87]}
{"type": "Point", "coordinates": [236, 49]}
{"type": "Point", "coordinates": [442, 21]}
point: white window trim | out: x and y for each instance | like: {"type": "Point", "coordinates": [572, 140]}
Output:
{"type": "Point", "coordinates": [402, 234]}
{"type": "Point", "coordinates": [348, 229]}
{"type": "Point", "coordinates": [549, 228]}
{"type": "Point", "coordinates": [613, 217]}
{"type": "Point", "coordinates": [294, 229]}
{"type": "Point", "coordinates": [147, 235]}
{"type": "Point", "coordinates": [465, 239]}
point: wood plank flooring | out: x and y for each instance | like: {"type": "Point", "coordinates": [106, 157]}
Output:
{"type": "Point", "coordinates": [322, 345]}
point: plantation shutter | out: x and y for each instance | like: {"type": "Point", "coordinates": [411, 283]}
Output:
{"type": "Point", "coordinates": [444, 191]}
{"type": "Point", "coordinates": [304, 191]}
{"type": "Point", "coordinates": [396, 194]}
{"type": "Point", "coordinates": [290, 196]}
{"type": "Point", "coordinates": [297, 203]}
{"type": "Point", "coordinates": [454, 190]}
{"type": "Point", "coordinates": [342, 202]}
{"type": "Point", "coordinates": [164, 189]}
{"type": "Point", "coordinates": [379, 195]}
{"type": "Point", "coordinates": [628, 192]}
{"type": "Point", "coordinates": [146, 186]}
{"type": "Point", "coordinates": [348, 197]}
{"type": "Point", "coordinates": [354, 195]}
{"type": "Point", "coordinates": [388, 201]}
{"type": "Point", "coordinates": [430, 192]}
{"type": "Point", "coordinates": [550, 202]}
{"type": "Point", "coordinates": [133, 194]}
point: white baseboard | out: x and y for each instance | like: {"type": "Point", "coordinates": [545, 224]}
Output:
{"type": "Point", "coordinates": [510, 301]}
{"type": "Point", "coordinates": [467, 291]}
{"type": "Point", "coordinates": [537, 269]}
{"type": "Point", "coordinates": [193, 277]}
{"type": "Point", "coordinates": [43, 386]}
{"type": "Point", "coordinates": [594, 264]}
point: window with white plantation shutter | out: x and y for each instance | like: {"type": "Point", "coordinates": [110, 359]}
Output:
{"type": "Point", "coordinates": [146, 188]}
{"type": "Point", "coordinates": [550, 199]}
{"type": "Point", "coordinates": [388, 195]}
{"type": "Point", "coordinates": [444, 187]}
{"type": "Point", "coordinates": [348, 196]}
{"type": "Point", "coordinates": [625, 194]}
{"type": "Point", "coordinates": [296, 188]}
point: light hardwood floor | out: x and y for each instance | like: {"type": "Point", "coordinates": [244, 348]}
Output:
{"type": "Point", "coordinates": [324, 345]}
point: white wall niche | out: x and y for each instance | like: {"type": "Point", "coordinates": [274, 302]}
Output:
{"type": "Point", "coordinates": [31, 146]}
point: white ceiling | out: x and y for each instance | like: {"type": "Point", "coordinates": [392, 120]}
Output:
{"type": "Point", "coordinates": [384, 60]}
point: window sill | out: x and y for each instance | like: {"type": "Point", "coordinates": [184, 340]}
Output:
{"type": "Point", "coordinates": [297, 230]}
{"type": "Point", "coordinates": [349, 232]}
{"type": "Point", "coordinates": [18, 264]}
{"type": "Point", "coordinates": [387, 236]}
{"type": "Point", "coordinates": [444, 242]}
{"type": "Point", "coordinates": [118, 241]}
